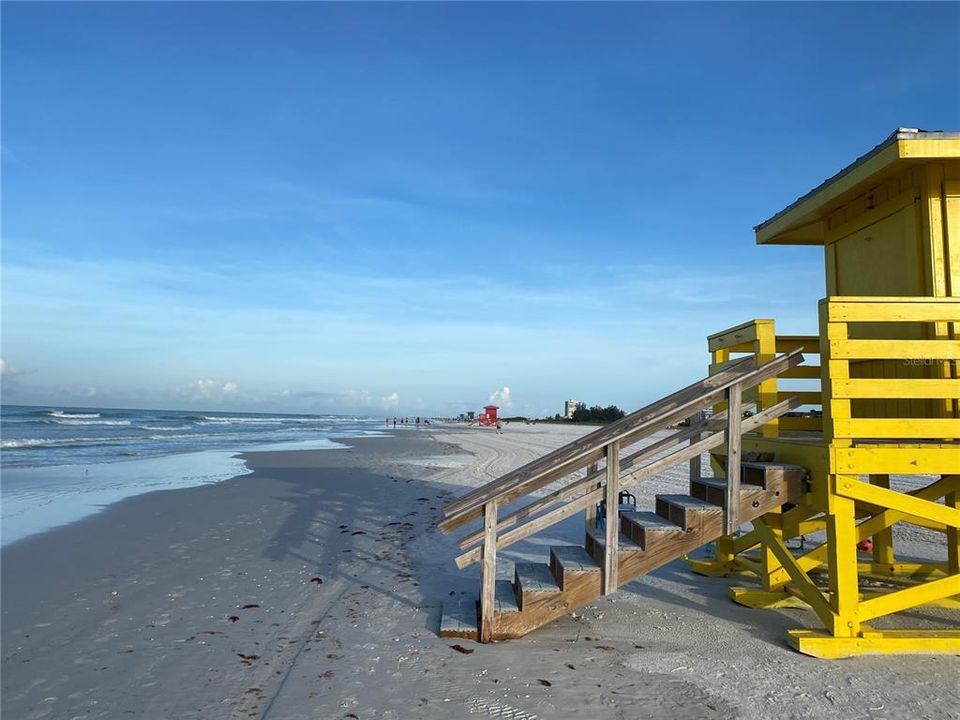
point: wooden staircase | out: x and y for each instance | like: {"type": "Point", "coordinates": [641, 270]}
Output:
{"type": "Point", "coordinates": [647, 540]}
{"type": "Point", "coordinates": [636, 543]}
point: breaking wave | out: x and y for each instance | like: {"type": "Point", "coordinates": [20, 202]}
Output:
{"type": "Point", "coordinates": [62, 414]}
{"type": "Point", "coordinates": [61, 442]}
{"type": "Point", "coordinates": [227, 420]}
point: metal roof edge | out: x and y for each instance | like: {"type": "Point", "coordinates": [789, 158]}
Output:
{"type": "Point", "coordinates": [898, 134]}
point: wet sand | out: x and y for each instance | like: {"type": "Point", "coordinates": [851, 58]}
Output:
{"type": "Point", "coordinates": [311, 589]}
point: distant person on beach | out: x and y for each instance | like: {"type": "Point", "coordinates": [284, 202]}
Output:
{"type": "Point", "coordinates": [394, 422]}
{"type": "Point", "coordinates": [499, 427]}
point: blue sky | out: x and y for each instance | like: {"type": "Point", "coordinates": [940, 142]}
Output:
{"type": "Point", "coordinates": [408, 208]}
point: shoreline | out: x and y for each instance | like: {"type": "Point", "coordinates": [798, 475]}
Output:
{"type": "Point", "coordinates": [311, 588]}
{"type": "Point", "coordinates": [26, 515]}
{"type": "Point", "coordinates": [129, 585]}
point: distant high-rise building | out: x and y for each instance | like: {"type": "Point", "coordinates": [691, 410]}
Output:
{"type": "Point", "coordinates": [568, 407]}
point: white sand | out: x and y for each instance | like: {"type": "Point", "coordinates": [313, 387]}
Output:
{"type": "Point", "coordinates": [128, 613]}
{"type": "Point", "coordinates": [676, 624]}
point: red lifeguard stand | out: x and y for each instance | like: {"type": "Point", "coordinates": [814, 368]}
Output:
{"type": "Point", "coordinates": [489, 415]}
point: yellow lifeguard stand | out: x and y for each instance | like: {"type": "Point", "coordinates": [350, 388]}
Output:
{"type": "Point", "coordinates": [877, 446]}
{"type": "Point", "coordinates": [890, 398]}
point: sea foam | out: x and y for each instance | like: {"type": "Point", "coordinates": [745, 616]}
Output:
{"type": "Point", "coordinates": [62, 414]}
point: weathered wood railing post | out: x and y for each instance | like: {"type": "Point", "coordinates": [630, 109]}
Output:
{"type": "Point", "coordinates": [695, 470]}
{"type": "Point", "coordinates": [612, 499]}
{"type": "Point", "coordinates": [488, 571]}
{"type": "Point", "coordinates": [590, 514]}
{"type": "Point", "coordinates": [731, 509]}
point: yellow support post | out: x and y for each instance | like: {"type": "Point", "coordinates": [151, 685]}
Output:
{"type": "Point", "coordinates": [772, 576]}
{"type": "Point", "coordinates": [842, 561]}
{"type": "Point", "coordinates": [765, 349]}
{"type": "Point", "coordinates": [883, 539]}
{"type": "Point", "coordinates": [952, 500]}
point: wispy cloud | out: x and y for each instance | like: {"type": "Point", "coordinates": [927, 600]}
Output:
{"type": "Point", "coordinates": [8, 370]}
{"type": "Point", "coordinates": [209, 389]}
{"type": "Point", "coordinates": [501, 397]}
{"type": "Point", "coordinates": [391, 401]}
{"type": "Point", "coordinates": [137, 327]}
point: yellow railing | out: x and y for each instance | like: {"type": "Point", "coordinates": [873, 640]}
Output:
{"type": "Point", "coordinates": [759, 338]}
{"type": "Point", "coordinates": [892, 368]}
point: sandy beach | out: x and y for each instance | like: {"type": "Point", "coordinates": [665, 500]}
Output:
{"type": "Point", "coordinates": [311, 588]}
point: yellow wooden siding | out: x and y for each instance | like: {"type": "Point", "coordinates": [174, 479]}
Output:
{"type": "Point", "coordinates": [873, 204]}
{"type": "Point", "coordinates": [883, 258]}
{"type": "Point", "coordinates": [951, 225]}
{"type": "Point", "coordinates": [887, 257]}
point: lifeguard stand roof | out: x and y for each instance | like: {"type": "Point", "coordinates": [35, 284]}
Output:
{"type": "Point", "coordinates": [802, 222]}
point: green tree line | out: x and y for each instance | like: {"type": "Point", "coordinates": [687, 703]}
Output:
{"type": "Point", "coordinates": [594, 414]}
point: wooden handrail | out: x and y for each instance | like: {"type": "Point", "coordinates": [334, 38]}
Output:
{"type": "Point", "coordinates": [628, 430]}
{"type": "Point", "coordinates": [596, 439]}
{"type": "Point", "coordinates": [645, 453]}
{"type": "Point", "coordinates": [606, 443]}
{"type": "Point", "coordinates": [537, 524]}
{"type": "Point", "coordinates": [584, 459]}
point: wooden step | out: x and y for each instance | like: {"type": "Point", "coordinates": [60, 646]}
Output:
{"type": "Point", "coordinates": [569, 563]}
{"type": "Point", "coordinates": [459, 618]}
{"type": "Point", "coordinates": [714, 491]}
{"type": "Point", "coordinates": [541, 600]}
{"type": "Point", "coordinates": [629, 555]}
{"type": "Point", "coordinates": [782, 486]}
{"type": "Point", "coordinates": [533, 581]}
{"type": "Point", "coordinates": [771, 476]}
{"type": "Point", "coordinates": [505, 597]}
{"type": "Point", "coordinates": [541, 593]}
{"type": "Point", "coordinates": [596, 540]}
{"type": "Point", "coordinates": [648, 528]}
{"type": "Point", "coordinates": [688, 512]}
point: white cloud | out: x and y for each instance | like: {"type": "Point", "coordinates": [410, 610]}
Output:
{"type": "Point", "coordinates": [501, 397]}
{"type": "Point", "coordinates": [269, 321]}
{"type": "Point", "coordinates": [391, 401]}
{"type": "Point", "coordinates": [209, 389]}
{"type": "Point", "coordinates": [9, 370]}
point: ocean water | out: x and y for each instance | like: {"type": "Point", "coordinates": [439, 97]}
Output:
{"type": "Point", "coordinates": [59, 465]}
